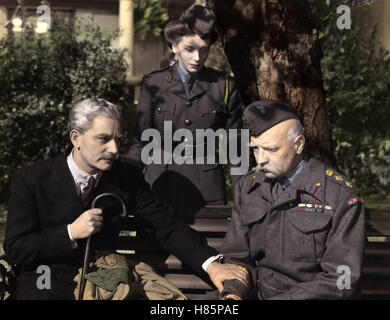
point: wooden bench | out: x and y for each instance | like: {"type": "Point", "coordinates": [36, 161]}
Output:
{"type": "Point", "coordinates": [376, 268]}
{"type": "Point", "coordinates": [213, 222]}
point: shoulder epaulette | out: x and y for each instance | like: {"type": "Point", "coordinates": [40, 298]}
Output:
{"type": "Point", "coordinates": [338, 178]}
{"type": "Point", "coordinates": [156, 71]}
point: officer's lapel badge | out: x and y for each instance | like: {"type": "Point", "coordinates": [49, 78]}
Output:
{"type": "Point", "coordinates": [316, 189]}
{"type": "Point", "coordinates": [168, 77]}
{"type": "Point", "coordinates": [252, 183]}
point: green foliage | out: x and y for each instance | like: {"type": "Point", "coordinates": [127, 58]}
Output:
{"type": "Point", "coordinates": [150, 15]}
{"type": "Point", "coordinates": [217, 59]}
{"type": "Point", "coordinates": [41, 77]}
{"type": "Point", "coordinates": [356, 74]}
{"type": "Point", "coordinates": [3, 219]}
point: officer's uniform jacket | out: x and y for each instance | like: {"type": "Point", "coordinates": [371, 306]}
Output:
{"type": "Point", "coordinates": [308, 244]}
{"type": "Point", "coordinates": [163, 98]}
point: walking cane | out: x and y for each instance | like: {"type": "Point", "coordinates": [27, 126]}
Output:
{"type": "Point", "coordinates": [85, 266]}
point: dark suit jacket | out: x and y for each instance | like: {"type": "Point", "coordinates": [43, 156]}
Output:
{"type": "Point", "coordinates": [163, 98]}
{"type": "Point", "coordinates": [44, 200]}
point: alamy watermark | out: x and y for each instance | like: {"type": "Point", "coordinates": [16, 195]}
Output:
{"type": "Point", "coordinates": [344, 280]}
{"type": "Point", "coordinates": [44, 281]}
{"type": "Point", "coordinates": [233, 147]}
{"type": "Point", "coordinates": [344, 20]}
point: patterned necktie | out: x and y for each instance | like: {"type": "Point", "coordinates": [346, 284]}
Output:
{"type": "Point", "coordinates": [86, 196]}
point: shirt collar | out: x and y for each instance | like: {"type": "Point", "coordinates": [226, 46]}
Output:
{"type": "Point", "coordinates": [299, 168]}
{"type": "Point", "coordinates": [80, 177]}
{"type": "Point", "coordinates": [181, 73]}
{"type": "Point", "coordinates": [190, 77]}
{"type": "Point", "coordinates": [301, 165]}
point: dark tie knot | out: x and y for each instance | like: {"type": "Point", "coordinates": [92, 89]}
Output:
{"type": "Point", "coordinates": [91, 182]}
{"type": "Point", "coordinates": [188, 83]}
{"type": "Point", "coordinates": [87, 193]}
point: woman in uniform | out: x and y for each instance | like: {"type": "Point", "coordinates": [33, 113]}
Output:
{"type": "Point", "coordinates": [187, 95]}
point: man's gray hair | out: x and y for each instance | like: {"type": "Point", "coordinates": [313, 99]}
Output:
{"type": "Point", "coordinates": [84, 112]}
{"type": "Point", "coordinates": [295, 130]}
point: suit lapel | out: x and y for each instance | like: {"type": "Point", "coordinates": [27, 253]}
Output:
{"type": "Point", "coordinates": [107, 185]}
{"type": "Point", "coordinates": [62, 188]}
{"type": "Point", "coordinates": [63, 194]}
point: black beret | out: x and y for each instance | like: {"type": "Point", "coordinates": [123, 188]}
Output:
{"type": "Point", "coordinates": [200, 18]}
{"type": "Point", "coordinates": [262, 115]}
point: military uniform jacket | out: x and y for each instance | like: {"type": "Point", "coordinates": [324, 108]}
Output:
{"type": "Point", "coordinates": [308, 244]}
{"type": "Point", "coordinates": [163, 98]}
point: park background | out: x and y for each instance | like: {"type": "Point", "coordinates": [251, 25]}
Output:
{"type": "Point", "coordinates": [103, 48]}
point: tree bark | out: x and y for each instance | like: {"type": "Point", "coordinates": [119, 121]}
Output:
{"type": "Point", "coordinates": [274, 54]}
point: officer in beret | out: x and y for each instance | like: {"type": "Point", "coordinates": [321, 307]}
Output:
{"type": "Point", "coordinates": [192, 97]}
{"type": "Point", "coordinates": [297, 224]}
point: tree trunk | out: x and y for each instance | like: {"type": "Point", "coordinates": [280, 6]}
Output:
{"type": "Point", "coordinates": [274, 54]}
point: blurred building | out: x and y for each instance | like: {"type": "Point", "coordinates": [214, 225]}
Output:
{"type": "Point", "coordinates": [379, 13]}
{"type": "Point", "coordinates": [147, 54]}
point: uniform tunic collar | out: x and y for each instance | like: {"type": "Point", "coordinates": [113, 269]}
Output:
{"type": "Point", "coordinates": [186, 77]}
{"type": "Point", "coordinates": [200, 82]}
{"type": "Point", "coordinates": [309, 177]}
{"type": "Point", "coordinates": [298, 169]}
{"type": "Point", "coordinates": [181, 73]}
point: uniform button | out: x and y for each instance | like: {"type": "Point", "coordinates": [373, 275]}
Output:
{"type": "Point", "coordinates": [188, 103]}
{"type": "Point", "coordinates": [188, 122]}
{"type": "Point", "coordinates": [159, 109]}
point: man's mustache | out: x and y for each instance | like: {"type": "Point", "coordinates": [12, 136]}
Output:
{"type": "Point", "coordinates": [109, 157]}
{"type": "Point", "coordinates": [266, 168]}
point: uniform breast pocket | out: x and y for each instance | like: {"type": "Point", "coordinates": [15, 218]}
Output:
{"type": "Point", "coordinates": [306, 235]}
{"type": "Point", "coordinates": [163, 112]}
{"type": "Point", "coordinates": [215, 117]}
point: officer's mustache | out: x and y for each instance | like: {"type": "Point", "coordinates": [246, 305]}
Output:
{"type": "Point", "coordinates": [267, 168]}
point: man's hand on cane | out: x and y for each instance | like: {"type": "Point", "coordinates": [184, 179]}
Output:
{"type": "Point", "coordinates": [88, 223]}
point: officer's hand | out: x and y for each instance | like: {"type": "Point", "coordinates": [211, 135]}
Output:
{"type": "Point", "coordinates": [219, 272]}
{"type": "Point", "coordinates": [89, 222]}
{"type": "Point", "coordinates": [233, 297]}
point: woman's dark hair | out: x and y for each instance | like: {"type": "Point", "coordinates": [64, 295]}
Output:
{"type": "Point", "coordinates": [196, 19]}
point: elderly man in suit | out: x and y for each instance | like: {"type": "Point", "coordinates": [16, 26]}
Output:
{"type": "Point", "coordinates": [50, 218]}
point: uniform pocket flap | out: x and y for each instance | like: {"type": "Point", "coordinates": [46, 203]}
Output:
{"type": "Point", "coordinates": [215, 109]}
{"type": "Point", "coordinates": [220, 108]}
{"type": "Point", "coordinates": [166, 107]}
{"type": "Point", "coordinates": [308, 222]}
{"type": "Point", "coordinates": [253, 214]}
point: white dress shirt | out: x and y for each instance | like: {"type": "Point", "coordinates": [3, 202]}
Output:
{"type": "Point", "coordinates": [80, 178]}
